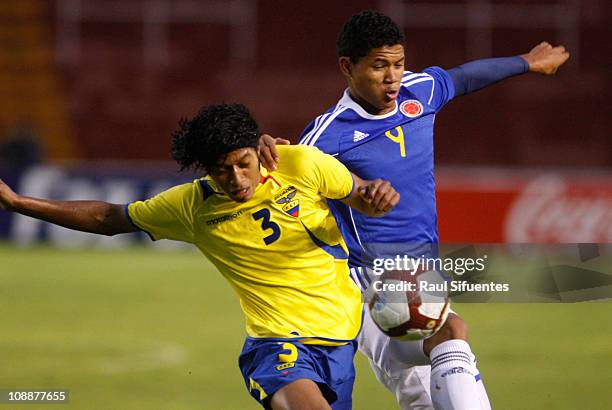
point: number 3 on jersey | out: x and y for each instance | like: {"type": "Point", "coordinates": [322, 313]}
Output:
{"type": "Point", "coordinates": [266, 224]}
{"type": "Point", "coordinates": [399, 139]}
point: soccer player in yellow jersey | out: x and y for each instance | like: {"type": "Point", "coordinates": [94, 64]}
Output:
{"type": "Point", "coordinates": [271, 235]}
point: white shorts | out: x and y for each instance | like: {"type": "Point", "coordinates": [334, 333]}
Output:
{"type": "Point", "coordinates": [400, 366]}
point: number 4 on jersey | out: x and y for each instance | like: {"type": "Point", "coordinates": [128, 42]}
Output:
{"type": "Point", "coordinates": [399, 139]}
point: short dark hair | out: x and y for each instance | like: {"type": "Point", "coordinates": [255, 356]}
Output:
{"type": "Point", "coordinates": [365, 31]}
{"type": "Point", "coordinates": [217, 130]}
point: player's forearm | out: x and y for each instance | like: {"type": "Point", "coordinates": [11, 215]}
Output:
{"type": "Point", "coordinates": [373, 198]}
{"type": "Point", "coordinates": [88, 216]}
{"type": "Point", "coordinates": [475, 75]}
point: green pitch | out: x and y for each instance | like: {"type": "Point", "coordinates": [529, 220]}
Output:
{"type": "Point", "coordinates": [143, 329]}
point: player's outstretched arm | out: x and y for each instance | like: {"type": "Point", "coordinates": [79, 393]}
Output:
{"type": "Point", "coordinates": [268, 155]}
{"type": "Point", "coordinates": [88, 216]}
{"type": "Point", "coordinates": [475, 75]}
{"type": "Point", "coordinates": [373, 198]}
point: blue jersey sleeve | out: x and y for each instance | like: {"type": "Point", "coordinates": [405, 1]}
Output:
{"type": "Point", "coordinates": [443, 89]}
{"type": "Point", "coordinates": [473, 76]}
{"type": "Point", "coordinates": [433, 86]}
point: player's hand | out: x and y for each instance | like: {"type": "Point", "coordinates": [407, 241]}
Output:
{"type": "Point", "coordinates": [546, 59]}
{"type": "Point", "coordinates": [7, 197]}
{"type": "Point", "coordinates": [381, 196]}
{"type": "Point", "coordinates": [268, 155]}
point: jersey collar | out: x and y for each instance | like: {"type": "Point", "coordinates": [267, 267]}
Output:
{"type": "Point", "coordinates": [265, 175]}
{"type": "Point", "coordinates": [347, 101]}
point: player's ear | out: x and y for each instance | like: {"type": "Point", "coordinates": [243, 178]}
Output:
{"type": "Point", "coordinates": [345, 66]}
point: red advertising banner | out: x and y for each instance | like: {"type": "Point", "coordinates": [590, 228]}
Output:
{"type": "Point", "coordinates": [490, 205]}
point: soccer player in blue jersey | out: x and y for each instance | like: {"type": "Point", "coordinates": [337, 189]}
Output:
{"type": "Point", "coordinates": [383, 125]}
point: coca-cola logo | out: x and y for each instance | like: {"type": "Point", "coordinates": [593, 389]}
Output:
{"type": "Point", "coordinates": [550, 210]}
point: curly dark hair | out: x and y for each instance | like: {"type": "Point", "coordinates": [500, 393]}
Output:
{"type": "Point", "coordinates": [217, 130]}
{"type": "Point", "coordinates": [365, 31]}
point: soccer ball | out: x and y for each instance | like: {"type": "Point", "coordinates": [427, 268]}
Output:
{"type": "Point", "coordinates": [408, 307]}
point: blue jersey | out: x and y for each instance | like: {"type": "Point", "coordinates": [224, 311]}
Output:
{"type": "Point", "coordinates": [397, 146]}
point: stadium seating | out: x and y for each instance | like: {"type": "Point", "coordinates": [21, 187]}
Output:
{"type": "Point", "coordinates": [31, 89]}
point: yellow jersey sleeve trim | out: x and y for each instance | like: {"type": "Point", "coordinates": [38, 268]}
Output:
{"type": "Point", "coordinates": [352, 189]}
{"type": "Point", "coordinates": [127, 213]}
{"type": "Point", "coordinates": [207, 189]}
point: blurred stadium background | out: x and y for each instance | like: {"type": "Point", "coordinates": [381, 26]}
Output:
{"type": "Point", "coordinates": [92, 89]}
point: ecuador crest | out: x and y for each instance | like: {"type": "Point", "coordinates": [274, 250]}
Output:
{"type": "Point", "coordinates": [286, 198]}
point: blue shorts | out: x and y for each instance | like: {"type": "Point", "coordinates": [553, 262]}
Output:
{"type": "Point", "coordinates": [267, 365]}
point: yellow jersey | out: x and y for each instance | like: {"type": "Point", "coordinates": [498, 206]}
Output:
{"type": "Point", "coordinates": [281, 251]}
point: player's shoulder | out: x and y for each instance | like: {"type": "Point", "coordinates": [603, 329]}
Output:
{"type": "Point", "coordinates": [192, 193]}
{"type": "Point", "coordinates": [295, 150]}
{"type": "Point", "coordinates": [296, 156]}
{"type": "Point", "coordinates": [298, 160]}
{"type": "Point", "coordinates": [423, 85]}
{"type": "Point", "coordinates": [312, 171]}
{"type": "Point", "coordinates": [204, 188]}
{"type": "Point", "coordinates": [424, 79]}
{"type": "Point", "coordinates": [323, 131]}
{"type": "Point", "coordinates": [427, 74]}
{"type": "Point", "coordinates": [327, 131]}
{"type": "Point", "coordinates": [180, 191]}
{"type": "Point", "coordinates": [188, 193]}
{"type": "Point", "coordinates": [170, 201]}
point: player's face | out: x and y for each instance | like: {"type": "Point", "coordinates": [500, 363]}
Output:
{"type": "Point", "coordinates": [374, 81]}
{"type": "Point", "coordinates": [238, 174]}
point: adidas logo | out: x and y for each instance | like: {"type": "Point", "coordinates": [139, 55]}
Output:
{"type": "Point", "coordinates": [358, 135]}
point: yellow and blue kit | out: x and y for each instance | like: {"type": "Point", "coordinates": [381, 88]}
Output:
{"type": "Point", "coordinates": [268, 365]}
{"type": "Point", "coordinates": [281, 251]}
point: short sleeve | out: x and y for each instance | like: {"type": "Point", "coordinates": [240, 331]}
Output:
{"type": "Point", "coordinates": [168, 215]}
{"type": "Point", "coordinates": [328, 175]}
